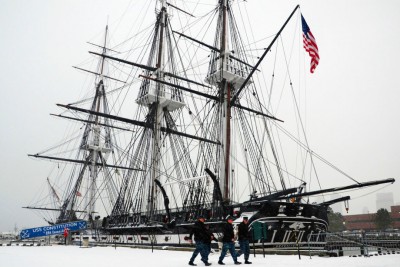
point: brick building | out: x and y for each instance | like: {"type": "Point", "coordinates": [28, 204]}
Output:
{"type": "Point", "coordinates": [367, 221]}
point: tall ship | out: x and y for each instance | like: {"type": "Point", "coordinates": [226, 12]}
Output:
{"type": "Point", "coordinates": [191, 116]}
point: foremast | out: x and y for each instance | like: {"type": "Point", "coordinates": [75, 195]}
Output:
{"type": "Point", "coordinates": [96, 152]}
{"type": "Point", "coordinates": [95, 149]}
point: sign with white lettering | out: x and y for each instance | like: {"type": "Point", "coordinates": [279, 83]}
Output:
{"type": "Point", "coordinates": [52, 229]}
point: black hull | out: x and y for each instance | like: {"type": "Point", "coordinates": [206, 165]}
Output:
{"type": "Point", "coordinates": [282, 232]}
{"type": "Point", "coordinates": [272, 224]}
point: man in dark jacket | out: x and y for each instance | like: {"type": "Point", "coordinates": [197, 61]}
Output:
{"type": "Point", "coordinates": [228, 241]}
{"type": "Point", "coordinates": [243, 236]}
{"type": "Point", "coordinates": [208, 238]}
{"type": "Point", "coordinates": [202, 237]}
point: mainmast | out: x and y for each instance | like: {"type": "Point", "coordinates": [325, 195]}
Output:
{"type": "Point", "coordinates": [156, 149]}
{"type": "Point", "coordinates": [158, 101]}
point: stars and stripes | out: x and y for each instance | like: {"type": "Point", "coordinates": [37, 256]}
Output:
{"type": "Point", "coordinates": [310, 45]}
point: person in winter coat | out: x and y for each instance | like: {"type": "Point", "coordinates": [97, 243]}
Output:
{"type": "Point", "coordinates": [228, 241]}
{"type": "Point", "coordinates": [243, 236]}
{"type": "Point", "coordinates": [202, 237]}
{"type": "Point", "coordinates": [208, 238]}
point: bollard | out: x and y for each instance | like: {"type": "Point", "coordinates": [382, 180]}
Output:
{"type": "Point", "coordinates": [86, 241]}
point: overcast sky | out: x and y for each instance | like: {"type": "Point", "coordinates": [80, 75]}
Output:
{"type": "Point", "coordinates": [354, 92]}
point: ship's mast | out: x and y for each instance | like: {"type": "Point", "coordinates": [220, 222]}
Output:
{"type": "Point", "coordinates": [158, 101]}
{"type": "Point", "coordinates": [156, 149]}
{"type": "Point", "coordinates": [93, 158]}
{"type": "Point", "coordinates": [94, 147]}
{"type": "Point", "coordinates": [225, 89]}
{"type": "Point", "coordinates": [227, 73]}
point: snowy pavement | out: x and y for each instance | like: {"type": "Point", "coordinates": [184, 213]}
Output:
{"type": "Point", "coordinates": [67, 256]}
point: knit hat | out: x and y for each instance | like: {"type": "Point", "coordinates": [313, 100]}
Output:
{"type": "Point", "coordinates": [229, 218]}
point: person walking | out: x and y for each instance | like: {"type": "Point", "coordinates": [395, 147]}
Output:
{"type": "Point", "coordinates": [208, 238]}
{"type": "Point", "coordinates": [201, 237]}
{"type": "Point", "coordinates": [243, 236]}
{"type": "Point", "coordinates": [228, 241]}
{"type": "Point", "coordinates": [65, 234]}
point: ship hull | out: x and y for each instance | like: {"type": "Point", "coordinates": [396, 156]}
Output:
{"type": "Point", "coordinates": [278, 230]}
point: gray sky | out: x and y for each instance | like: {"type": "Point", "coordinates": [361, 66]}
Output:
{"type": "Point", "coordinates": [353, 95]}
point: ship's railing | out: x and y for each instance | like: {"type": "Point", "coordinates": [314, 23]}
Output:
{"type": "Point", "coordinates": [237, 69]}
{"type": "Point", "coordinates": [233, 66]}
{"type": "Point", "coordinates": [150, 91]}
{"type": "Point", "coordinates": [357, 244]}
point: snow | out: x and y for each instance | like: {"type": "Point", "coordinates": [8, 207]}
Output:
{"type": "Point", "coordinates": [63, 256]}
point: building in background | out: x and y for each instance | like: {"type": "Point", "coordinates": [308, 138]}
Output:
{"type": "Point", "coordinates": [365, 210]}
{"type": "Point", "coordinates": [384, 201]}
{"type": "Point", "coordinates": [367, 221]}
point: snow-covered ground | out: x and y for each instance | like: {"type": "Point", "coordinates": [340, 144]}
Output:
{"type": "Point", "coordinates": [67, 256]}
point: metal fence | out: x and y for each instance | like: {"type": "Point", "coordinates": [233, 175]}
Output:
{"type": "Point", "coordinates": [356, 244]}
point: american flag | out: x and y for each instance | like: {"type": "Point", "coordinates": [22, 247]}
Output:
{"type": "Point", "coordinates": [310, 45]}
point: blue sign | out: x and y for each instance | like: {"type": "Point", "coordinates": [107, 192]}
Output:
{"type": "Point", "coordinates": [52, 229]}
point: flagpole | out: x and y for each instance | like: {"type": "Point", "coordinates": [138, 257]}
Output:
{"type": "Point", "coordinates": [262, 57]}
